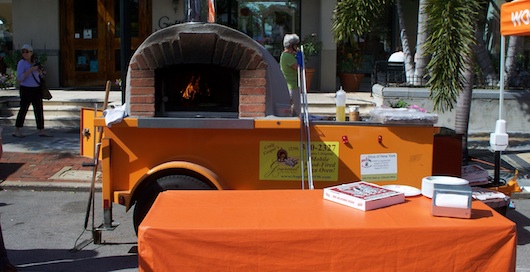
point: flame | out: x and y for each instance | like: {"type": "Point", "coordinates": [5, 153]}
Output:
{"type": "Point", "coordinates": [193, 88]}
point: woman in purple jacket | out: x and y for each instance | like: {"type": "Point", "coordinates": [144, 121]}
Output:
{"type": "Point", "coordinates": [29, 72]}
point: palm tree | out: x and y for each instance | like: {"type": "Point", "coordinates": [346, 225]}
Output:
{"type": "Point", "coordinates": [353, 18]}
{"type": "Point", "coordinates": [453, 24]}
{"type": "Point", "coordinates": [450, 28]}
{"type": "Point", "coordinates": [515, 47]}
{"type": "Point", "coordinates": [421, 58]}
{"type": "Point", "coordinates": [481, 51]}
{"type": "Point", "coordinates": [409, 60]}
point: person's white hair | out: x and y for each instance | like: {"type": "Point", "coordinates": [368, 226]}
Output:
{"type": "Point", "coordinates": [290, 40]}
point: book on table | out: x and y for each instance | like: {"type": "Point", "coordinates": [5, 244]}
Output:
{"type": "Point", "coordinates": [363, 195]}
{"type": "Point", "coordinates": [475, 174]}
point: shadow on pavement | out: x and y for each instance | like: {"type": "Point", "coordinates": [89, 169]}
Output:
{"type": "Point", "coordinates": [7, 169]}
{"type": "Point", "coordinates": [67, 260]}
{"type": "Point", "coordinates": [523, 222]}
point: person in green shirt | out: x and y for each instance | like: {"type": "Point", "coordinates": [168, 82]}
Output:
{"type": "Point", "coordinates": [289, 67]}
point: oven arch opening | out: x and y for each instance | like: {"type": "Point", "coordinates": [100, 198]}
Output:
{"type": "Point", "coordinates": [197, 90]}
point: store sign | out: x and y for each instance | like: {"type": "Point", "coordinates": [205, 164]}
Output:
{"type": "Point", "coordinates": [515, 18]}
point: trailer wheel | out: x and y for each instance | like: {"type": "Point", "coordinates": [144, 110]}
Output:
{"type": "Point", "coordinates": [171, 182]}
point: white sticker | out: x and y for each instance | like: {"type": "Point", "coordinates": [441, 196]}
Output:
{"type": "Point", "coordinates": [378, 167]}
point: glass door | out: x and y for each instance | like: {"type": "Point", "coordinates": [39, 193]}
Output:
{"type": "Point", "coordinates": [90, 39]}
{"type": "Point", "coordinates": [266, 21]}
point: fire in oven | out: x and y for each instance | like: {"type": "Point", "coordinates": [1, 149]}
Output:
{"type": "Point", "coordinates": [197, 90]}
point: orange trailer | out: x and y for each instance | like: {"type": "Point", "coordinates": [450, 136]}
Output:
{"type": "Point", "coordinates": [140, 157]}
{"type": "Point", "coordinates": [209, 108]}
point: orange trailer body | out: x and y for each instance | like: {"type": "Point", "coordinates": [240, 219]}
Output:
{"type": "Point", "coordinates": [255, 154]}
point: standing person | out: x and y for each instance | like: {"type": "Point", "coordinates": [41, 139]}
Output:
{"type": "Point", "coordinates": [29, 72]}
{"type": "Point", "coordinates": [289, 67]}
{"type": "Point", "coordinates": [5, 265]}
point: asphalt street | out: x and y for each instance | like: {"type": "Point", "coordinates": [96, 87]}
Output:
{"type": "Point", "coordinates": [44, 231]}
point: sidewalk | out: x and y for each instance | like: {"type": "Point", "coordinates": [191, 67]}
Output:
{"type": "Point", "coordinates": [35, 162]}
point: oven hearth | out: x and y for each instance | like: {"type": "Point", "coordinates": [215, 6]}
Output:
{"type": "Point", "coordinates": [196, 90]}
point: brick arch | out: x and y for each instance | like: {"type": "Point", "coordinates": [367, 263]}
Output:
{"type": "Point", "coordinates": [197, 43]}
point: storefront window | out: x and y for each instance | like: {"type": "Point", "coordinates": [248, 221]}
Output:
{"type": "Point", "coordinates": [134, 18]}
{"type": "Point", "coordinates": [86, 61]}
{"type": "Point", "coordinates": [266, 21]}
{"type": "Point", "coordinates": [86, 19]}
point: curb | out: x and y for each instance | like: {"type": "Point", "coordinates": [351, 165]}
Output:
{"type": "Point", "coordinates": [520, 195]}
{"type": "Point", "coordinates": [49, 186]}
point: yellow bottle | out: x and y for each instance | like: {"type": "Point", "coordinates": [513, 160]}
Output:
{"type": "Point", "coordinates": [341, 105]}
{"type": "Point", "coordinates": [341, 114]}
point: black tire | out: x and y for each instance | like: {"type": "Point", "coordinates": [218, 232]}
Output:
{"type": "Point", "coordinates": [171, 182]}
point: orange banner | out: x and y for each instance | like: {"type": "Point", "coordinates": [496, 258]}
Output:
{"type": "Point", "coordinates": [515, 18]}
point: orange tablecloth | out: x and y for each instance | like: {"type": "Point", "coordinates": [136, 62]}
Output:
{"type": "Point", "coordinates": [297, 230]}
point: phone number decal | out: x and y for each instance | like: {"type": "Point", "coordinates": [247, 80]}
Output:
{"type": "Point", "coordinates": [282, 160]}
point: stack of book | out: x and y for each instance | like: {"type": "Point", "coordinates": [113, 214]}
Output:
{"type": "Point", "coordinates": [486, 194]}
{"type": "Point", "coordinates": [475, 174]}
{"type": "Point", "coordinates": [363, 195]}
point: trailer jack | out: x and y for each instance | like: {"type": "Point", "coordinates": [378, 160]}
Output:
{"type": "Point", "coordinates": [97, 232]}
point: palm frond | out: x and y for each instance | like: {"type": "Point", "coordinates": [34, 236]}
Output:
{"type": "Point", "coordinates": [353, 18]}
{"type": "Point", "coordinates": [451, 25]}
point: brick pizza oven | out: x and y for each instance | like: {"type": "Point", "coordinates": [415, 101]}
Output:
{"type": "Point", "coordinates": [204, 70]}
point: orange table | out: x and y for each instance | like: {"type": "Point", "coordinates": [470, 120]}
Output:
{"type": "Point", "coordinates": [297, 230]}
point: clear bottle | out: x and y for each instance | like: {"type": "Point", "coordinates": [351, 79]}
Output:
{"type": "Point", "coordinates": [341, 105]}
{"type": "Point", "coordinates": [354, 113]}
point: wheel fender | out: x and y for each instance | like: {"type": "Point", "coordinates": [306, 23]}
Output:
{"type": "Point", "coordinates": [212, 177]}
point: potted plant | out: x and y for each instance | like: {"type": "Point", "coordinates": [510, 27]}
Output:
{"type": "Point", "coordinates": [312, 47]}
{"type": "Point", "coordinates": [349, 62]}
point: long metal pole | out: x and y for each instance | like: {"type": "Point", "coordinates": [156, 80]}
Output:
{"type": "Point", "coordinates": [502, 71]}
{"type": "Point", "coordinates": [96, 161]}
{"type": "Point", "coordinates": [302, 128]}
{"type": "Point", "coordinates": [497, 154]}
{"type": "Point", "coordinates": [305, 116]}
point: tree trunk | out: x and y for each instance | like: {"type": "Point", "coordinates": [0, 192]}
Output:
{"type": "Point", "coordinates": [515, 47]}
{"type": "Point", "coordinates": [463, 109]}
{"type": "Point", "coordinates": [489, 77]}
{"type": "Point", "coordinates": [420, 58]}
{"type": "Point", "coordinates": [483, 60]}
{"type": "Point", "coordinates": [409, 60]}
